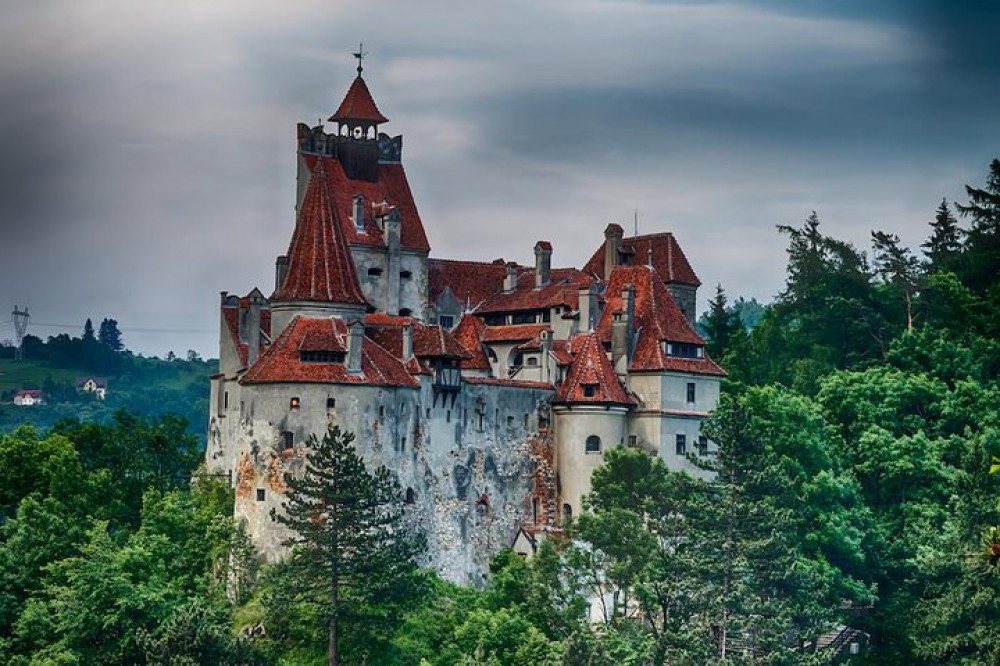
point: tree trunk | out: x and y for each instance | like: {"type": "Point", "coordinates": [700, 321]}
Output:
{"type": "Point", "coordinates": [331, 649]}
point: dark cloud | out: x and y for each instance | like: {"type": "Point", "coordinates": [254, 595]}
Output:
{"type": "Point", "coordinates": [146, 151]}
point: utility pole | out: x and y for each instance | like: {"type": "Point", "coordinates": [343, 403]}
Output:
{"type": "Point", "coordinates": [20, 319]}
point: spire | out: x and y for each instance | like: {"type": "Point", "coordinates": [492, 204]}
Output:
{"type": "Point", "coordinates": [320, 267]}
{"type": "Point", "coordinates": [358, 103]}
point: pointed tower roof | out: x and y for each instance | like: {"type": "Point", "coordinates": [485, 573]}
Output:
{"type": "Point", "coordinates": [320, 267]}
{"type": "Point", "coordinates": [591, 368]}
{"type": "Point", "coordinates": [358, 104]}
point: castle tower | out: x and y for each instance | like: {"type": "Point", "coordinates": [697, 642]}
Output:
{"type": "Point", "coordinates": [319, 279]}
{"type": "Point", "coordinates": [357, 121]}
{"type": "Point", "coordinates": [590, 409]}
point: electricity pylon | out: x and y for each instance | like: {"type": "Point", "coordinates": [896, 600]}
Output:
{"type": "Point", "coordinates": [20, 319]}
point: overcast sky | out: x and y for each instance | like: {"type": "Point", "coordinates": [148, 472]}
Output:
{"type": "Point", "coordinates": [147, 148]}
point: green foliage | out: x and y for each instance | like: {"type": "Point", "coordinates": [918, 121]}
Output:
{"type": "Point", "coordinates": [351, 559]}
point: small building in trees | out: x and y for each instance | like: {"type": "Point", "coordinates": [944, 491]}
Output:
{"type": "Point", "coordinates": [96, 386]}
{"type": "Point", "coordinates": [468, 379]}
{"type": "Point", "coordinates": [29, 398]}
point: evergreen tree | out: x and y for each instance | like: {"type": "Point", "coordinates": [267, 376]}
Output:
{"type": "Point", "coordinates": [721, 324]}
{"type": "Point", "coordinates": [898, 267]}
{"type": "Point", "coordinates": [982, 244]}
{"type": "Point", "coordinates": [88, 331]}
{"type": "Point", "coordinates": [109, 335]}
{"type": "Point", "coordinates": [349, 546]}
{"type": "Point", "coordinates": [944, 246]}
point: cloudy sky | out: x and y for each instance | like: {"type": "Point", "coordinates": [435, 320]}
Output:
{"type": "Point", "coordinates": [147, 148]}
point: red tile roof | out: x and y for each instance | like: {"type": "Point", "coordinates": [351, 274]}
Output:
{"type": "Point", "coordinates": [561, 352]}
{"type": "Point", "coordinates": [320, 267]}
{"type": "Point", "coordinates": [358, 104]}
{"type": "Point", "coordinates": [512, 383]}
{"type": "Point", "coordinates": [281, 362]}
{"type": "Point", "coordinates": [471, 282]}
{"type": "Point", "coordinates": [428, 341]}
{"type": "Point", "coordinates": [563, 289]}
{"type": "Point", "coordinates": [469, 333]}
{"type": "Point", "coordinates": [657, 320]}
{"type": "Point", "coordinates": [668, 258]}
{"type": "Point", "coordinates": [391, 187]}
{"type": "Point", "coordinates": [591, 367]}
{"type": "Point", "coordinates": [517, 333]}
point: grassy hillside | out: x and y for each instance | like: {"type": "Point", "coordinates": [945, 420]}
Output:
{"type": "Point", "coordinates": [146, 386]}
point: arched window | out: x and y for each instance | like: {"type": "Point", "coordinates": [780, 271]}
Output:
{"type": "Point", "coordinates": [567, 513]}
{"type": "Point", "coordinates": [593, 444]}
{"type": "Point", "coordinates": [411, 496]}
{"type": "Point", "coordinates": [371, 132]}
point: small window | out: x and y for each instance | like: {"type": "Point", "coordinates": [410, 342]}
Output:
{"type": "Point", "coordinates": [405, 312]}
{"type": "Point", "coordinates": [374, 272]}
{"type": "Point", "coordinates": [381, 411]}
{"type": "Point", "coordinates": [681, 445]}
{"type": "Point", "coordinates": [534, 510]}
{"type": "Point", "coordinates": [411, 496]}
{"type": "Point", "coordinates": [632, 441]}
{"type": "Point", "coordinates": [405, 275]}
{"type": "Point", "coordinates": [589, 390]}
{"type": "Point", "coordinates": [525, 421]}
{"type": "Point", "coordinates": [446, 321]}
{"type": "Point", "coordinates": [331, 403]}
{"type": "Point", "coordinates": [481, 422]}
{"type": "Point", "coordinates": [593, 444]}
{"type": "Point", "coordinates": [287, 440]}
{"type": "Point", "coordinates": [510, 421]}
{"type": "Point", "coordinates": [402, 444]}
{"type": "Point", "coordinates": [567, 513]}
{"type": "Point", "coordinates": [427, 413]}
{"type": "Point", "coordinates": [294, 403]}
{"type": "Point", "coordinates": [532, 361]}
{"type": "Point", "coordinates": [225, 400]}
{"type": "Point", "coordinates": [260, 494]}
{"type": "Point", "coordinates": [690, 395]}
{"type": "Point", "coordinates": [703, 445]}
{"type": "Point", "coordinates": [447, 417]}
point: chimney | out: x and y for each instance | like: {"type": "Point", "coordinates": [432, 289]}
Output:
{"type": "Point", "coordinates": [543, 263]}
{"type": "Point", "coordinates": [510, 282]}
{"type": "Point", "coordinates": [628, 308]}
{"type": "Point", "coordinates": [280, 271]}
{"type": "Point", "coordinates": [393, 235]}
{"type": "Point", "coordinates": [407, 343]}
{"type": "Point", "coordinates": [355, 338]}
{"type": "Point", "coordinates": [619, 342]}
{"type": "Point", "coordinates": [253, 327]}
{"type": "Point", "coordinates": [587, 308]}
{"type": "Point", "coordinates": [612, 244]}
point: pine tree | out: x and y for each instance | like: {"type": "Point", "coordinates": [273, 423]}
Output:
{"type": "Point", "coordinates": [982, 244]}
{"type": "Point", "coordinates": [944, 246]}
{"type": "Point", "coordinates": [721, 324]}
{"type": "Point", "coordinates": [349, 547]}
{"type": "Point", "coordinates": [88, 332]}
{"type": "Point", "coordinates": [109, 335]}
{"type": "Point", "coordinates": [898, 267]}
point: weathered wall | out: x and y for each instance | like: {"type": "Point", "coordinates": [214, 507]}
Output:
{"type": "Point", "coordinates": [472, 477]}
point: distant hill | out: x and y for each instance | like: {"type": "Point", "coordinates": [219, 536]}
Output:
{"type": "Point", "coordinates": [145, 386]}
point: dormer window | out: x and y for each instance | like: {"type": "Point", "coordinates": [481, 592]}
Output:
{"type": "Point", "coordinates": [683, 350]}
{"type": "Point", "coordinates": [358, 213]}
{"type": "Point", "coordinates": [589, 390]}
{"type": "Point", "coordinates": [322, 356]}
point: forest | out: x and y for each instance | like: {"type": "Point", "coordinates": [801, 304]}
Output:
{"type": "Point", "coordinates": [858, 435]}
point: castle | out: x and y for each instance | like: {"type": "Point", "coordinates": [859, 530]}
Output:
{"type": "Point", "coordinates": [492, 390]}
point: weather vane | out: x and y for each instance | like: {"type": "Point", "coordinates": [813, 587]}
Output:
{"type": "Point", "coordinates": [360, 55]}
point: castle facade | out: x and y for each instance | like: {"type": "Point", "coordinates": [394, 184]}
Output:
{"type": "Point", "coordinates": [492, 390]}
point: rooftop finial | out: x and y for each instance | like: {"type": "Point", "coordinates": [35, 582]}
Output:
{"type": "Point", "coordinates": [360, 55]}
